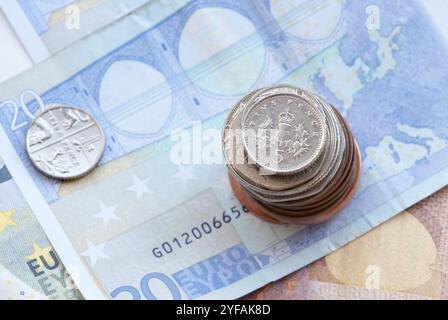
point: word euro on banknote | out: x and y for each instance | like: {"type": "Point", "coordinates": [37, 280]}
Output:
{"type": "Point", "coordinates": [29, 266]}
{"type": "Point", "coordinates": [46, 27]}
{"type": "Point", "coordinates": [146, 225]}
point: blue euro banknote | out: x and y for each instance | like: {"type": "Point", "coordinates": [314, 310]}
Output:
{"type": "Point", "coordinates": [29, 266]}
{"type": "Point", "coordinates": [143, 226]}
{"type": "Point", "coordinates": [46, 27]}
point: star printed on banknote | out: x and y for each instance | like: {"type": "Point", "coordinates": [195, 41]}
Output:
{"type": "Point", "coordinates": [29, 266]}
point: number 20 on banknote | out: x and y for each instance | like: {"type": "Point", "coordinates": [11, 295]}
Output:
{"type": "Point", "coordinates": [21, 112]}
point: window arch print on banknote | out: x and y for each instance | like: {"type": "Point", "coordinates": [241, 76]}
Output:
{"type": "Point", "coordinates": [175, 26]}
{"type": "Point", "coordinates": [226, 54]}
{"type": "Point", "coordinates": [21, 110]}
{"type": "Point", "coordinates": [299, 32]}
{"type": "Point", "coordinates": [160, 96]}
{"type": "Point", "coordinates": [145, 288]}
{"type": "Point", "coordinates": [150, 58]}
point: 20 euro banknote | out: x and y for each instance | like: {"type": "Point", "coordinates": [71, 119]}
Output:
{"type": "Point", "coordinates": [158, 218]}
{"type": "Point", "coordinates": [46, 27]}
{"type": "Point", "coordinates": [413, 244]}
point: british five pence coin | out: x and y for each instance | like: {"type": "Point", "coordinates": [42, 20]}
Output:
{"type": "Point", "coordinates": [65, 142]}
{"type": "Point", "coordinates": [283, 133]}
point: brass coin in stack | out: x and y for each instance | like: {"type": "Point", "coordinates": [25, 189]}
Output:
{"type": "Point", "coordinates": [292, 157]}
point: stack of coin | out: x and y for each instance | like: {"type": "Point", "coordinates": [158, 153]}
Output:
{"type": "Point", "coordinates": [291, 156]}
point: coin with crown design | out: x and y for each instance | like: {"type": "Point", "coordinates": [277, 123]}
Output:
{"type": "Point", "coordinates": [292, 157]}
{"type": "Point", "coordinates": [283, 132]}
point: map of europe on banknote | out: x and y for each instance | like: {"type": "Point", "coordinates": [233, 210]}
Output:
{"type": "Point", "coordinates": [29, 266]}
{"type": "Point", "coordinates": [46, 27]}
{"type": "Point", "coordinates": [144, 227]}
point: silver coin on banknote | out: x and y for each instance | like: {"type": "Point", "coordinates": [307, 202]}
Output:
{"type": "Point", "coordinates": [317, 168]}
{"type": "Point", "coordinates": [283, 133]}
{"type": "Point", "coordinates": [65, 142]}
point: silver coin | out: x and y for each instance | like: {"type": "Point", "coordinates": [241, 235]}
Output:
{"type": "Point", "coordinates": [300, 185]}
{"type": "Point", "coordinates": [283, 132]}
{"type": "Point", "coordinates": [250, 175]}
{"type": "Point", "coordinates": [331, 159]}
{"type": "Point", "coordinates": [65, 142]}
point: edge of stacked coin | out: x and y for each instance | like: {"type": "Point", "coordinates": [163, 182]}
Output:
{"type": "Point", "coordinates": [313, 163]}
